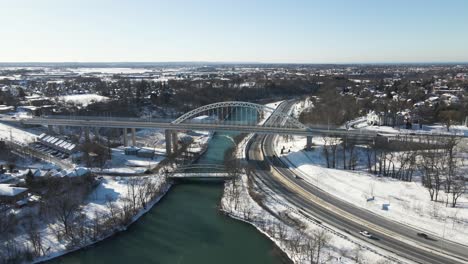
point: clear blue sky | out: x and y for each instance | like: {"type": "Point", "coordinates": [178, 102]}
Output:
{"type": "Point", "coordinates": [297, 31]}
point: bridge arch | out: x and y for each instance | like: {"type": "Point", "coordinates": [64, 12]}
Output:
{"type": "Point", "coordinates": [220, 109]}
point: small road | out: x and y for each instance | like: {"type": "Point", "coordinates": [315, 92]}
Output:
{"type": "Point", "coordinates": [391, 236]}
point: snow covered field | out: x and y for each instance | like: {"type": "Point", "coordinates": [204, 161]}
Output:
{"type": "Point", "coordinates": [83, 99]}
{"type": "Point", "coordinates": [16, 134]}
{"type": "Point", "coordinates": [109, 70]}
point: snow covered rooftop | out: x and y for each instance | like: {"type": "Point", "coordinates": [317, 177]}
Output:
{"type": "Point", "coordinates": [7, 190]}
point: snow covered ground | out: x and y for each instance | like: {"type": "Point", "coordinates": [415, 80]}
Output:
{"type": "Point", "coordinates": [122, 164]}
{"type": "Point", "coordinates": [16, 134]}
{"type": "Point", "coordinates": [426, 129]}
{"type": "Point", "coordinates": [111, 190]}
{"type": "Point", "coordinates": [109, 70]}
{"type": "Point", "coordinates": [83, 99]}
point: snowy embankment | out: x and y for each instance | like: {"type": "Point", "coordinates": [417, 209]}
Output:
{"type": "Point", "coordinates": [295, 233]}
{"type": "Point", "coordinates": [15, 134]}
{"type": "Point", "coordinates": [111, 194]}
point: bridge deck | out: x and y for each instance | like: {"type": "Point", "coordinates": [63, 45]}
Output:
{"type": "Point", "coordinates": [199, 175]}
{"type": "Point", "coordinates": [215, 126]}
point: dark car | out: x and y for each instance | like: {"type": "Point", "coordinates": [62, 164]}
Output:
{"type": "Point", "coordinates": [423, 235]}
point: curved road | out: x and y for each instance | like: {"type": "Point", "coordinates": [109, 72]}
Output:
{"type": "Point", "coordinates": [391, 236]}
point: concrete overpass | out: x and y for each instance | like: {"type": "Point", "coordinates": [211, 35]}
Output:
{"type": "Point", "coordinates": [234, 116]}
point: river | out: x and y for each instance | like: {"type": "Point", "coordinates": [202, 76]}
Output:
{"type": "Point", "coordinates": [185, 227]}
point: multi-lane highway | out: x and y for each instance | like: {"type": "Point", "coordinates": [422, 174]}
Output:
{"type": "Point", "coordinates": [391, 236]}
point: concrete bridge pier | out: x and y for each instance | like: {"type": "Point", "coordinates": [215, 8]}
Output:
{"type": "Point", "coordinates": [61, 130]}
{"type": "Point", "coordinates": [175, 145]}
{"type": "Point", "coordinates": [309, 143]}
{"type": "Point", "coordinates": [125, 139]}
{"type": "Point", "coordinates": [168, 137]}
{"type": "Point", "coordinates": [86, 134]}
{"type": "Point", "coordinates": [50, 129]}
{"type": "Point", "coordinates": [96, 131]}
{"type": "Point", "coordinates": [133, 136]}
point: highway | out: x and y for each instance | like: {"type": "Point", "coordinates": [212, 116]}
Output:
{"type": "Point", "coordinates": [221, 126]}
{"type": "Point", "coordinates": [314, 202]}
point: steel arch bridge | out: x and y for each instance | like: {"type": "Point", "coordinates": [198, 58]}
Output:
{"type": "Point", "coordinates": [241, 114]}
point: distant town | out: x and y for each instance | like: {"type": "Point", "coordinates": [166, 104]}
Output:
{"type": "Point", "coordinates": [360, 163]}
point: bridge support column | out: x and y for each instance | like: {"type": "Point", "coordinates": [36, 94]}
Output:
{"type": "Point", "coordinates": [86, 134]}
{"type": "Point", "coordinates": [168, 135]}
{"type": "Point", "coordinates": [96, 131]}
{"type": "Point", "coordinates": [61, 129]}
{"type": "Point", "coordinates": [125, 139]}
{"type": "Point", "coordinates": [175, 145]}
{"type": "Point", "coordinates": [133, 136]}
{"type": "Point", "coordinates": [309, 143]}
{"type": "Point", "coordinates": [50, 129]}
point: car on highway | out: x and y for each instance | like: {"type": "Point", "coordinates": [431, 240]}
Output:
{"type": "Point", "coordinates": [366, 234]}
{"type": "Point", "coordinates": [423, 235]}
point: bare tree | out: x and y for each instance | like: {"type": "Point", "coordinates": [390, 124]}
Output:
{"type": "Point", "coordinates": [458, 189]}
{"type": "Point", "coordinates": [34, 237]}
{"type": "Point", "coordinates": [113, 210]}
{"type": "Point", "coordinates": [322, 239]}
{"type": "Point", "coordinates": [66, 208]}
{"type": "Point", "coordinates": [132, 193]}
{"type": "Point", "coordinates": [326, 150]}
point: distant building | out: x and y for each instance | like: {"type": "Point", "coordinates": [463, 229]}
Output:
{"type": "Point", "coordinates": [6, 109]}
{"type": "Point", "coordinates": [139, 152]}
{"type": "Point", "coordinates": [57, 143]}
{"type": "Point", "coordinates": [30, 110]}
{"type": "Point", "coordinates": [388, 119]}
{"type": "Point", "coordinates": [11, 194]}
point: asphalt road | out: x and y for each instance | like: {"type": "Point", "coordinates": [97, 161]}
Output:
{"type": "Point", "coordinates": [391, 236]}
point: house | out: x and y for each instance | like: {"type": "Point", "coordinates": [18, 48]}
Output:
{"type": "Point", "coordinates": [6, 109]}
{"type": "Point", "coordinates": [449, 99]}
{"type": "Point", "coordinates": [145, 153]}
{"type": "Point", "coordinates": [30, 110]}
{"type": "Point", "coordinates": [139, 152]}
{"type": "Point", "coordinates": [132, 150]}
{"type": "Point", "coordinates": [387, 118]}
{"type": "Point", "coordinates": [11, 194]}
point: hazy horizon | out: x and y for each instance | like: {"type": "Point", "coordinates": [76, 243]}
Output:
{"type": "Point", "coordinates": [208, 31]}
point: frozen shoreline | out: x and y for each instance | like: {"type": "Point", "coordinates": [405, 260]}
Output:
{"type": "Point", "coordinates": [135, 218]}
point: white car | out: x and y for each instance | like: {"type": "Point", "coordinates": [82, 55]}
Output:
{"type": "Point", "coordinates": [366, 234]}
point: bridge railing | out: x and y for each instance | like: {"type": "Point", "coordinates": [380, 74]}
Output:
{"type": "Point", "coordinates": [107, 118]}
